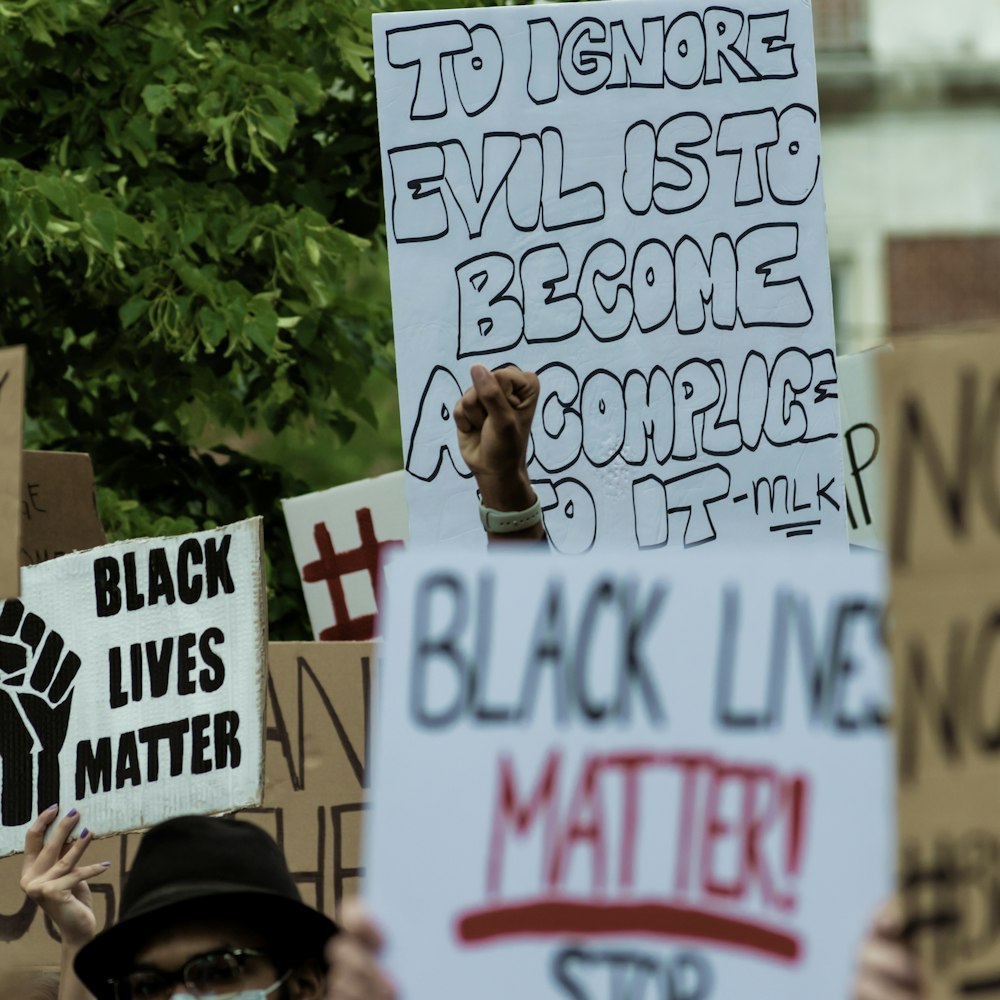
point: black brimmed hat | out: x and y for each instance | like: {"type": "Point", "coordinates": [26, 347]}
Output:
{"type": "Point", "coordinates": [199, 867]}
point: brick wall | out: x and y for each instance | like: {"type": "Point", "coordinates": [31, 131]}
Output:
{"type": "Point", "coordinates": [943, 281]}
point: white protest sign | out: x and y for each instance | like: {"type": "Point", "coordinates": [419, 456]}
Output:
{"type": "Point", "coordinates": [676, 779]}
{"type": "Point", "coordinates": [132, 682]}
{"type": "Point", "coordinates": [625, 198]}
{"type": "Point", "coordinates": [338, 538]}
{"type": "Point", "coordinates": [862, 423]}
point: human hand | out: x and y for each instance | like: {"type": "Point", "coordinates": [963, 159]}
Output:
{"type": "Point", "coordinates": [887, 970]}
{"type": "Point", "coordinates": [36, 679]}
{"type": "Point", "coordinates": [52, 876]}
{"type": "Point", "coordinates": [353, 956]}
{"type": "Point", "coordinates": [493, 420]}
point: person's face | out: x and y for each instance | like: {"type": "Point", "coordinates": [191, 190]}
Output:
{"type": "Point", "coordinates": [171, 949]}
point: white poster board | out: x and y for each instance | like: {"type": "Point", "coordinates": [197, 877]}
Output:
{"type": "Point", "coordinates": [613, 777]}
{"type": "Point", "coordinates": [132, 682]}
{"type": "Point", "coordinates": [338, 538]}
{"type": "Point", "coordinates": [627, 199]}
{"type": "Point", "coordinates": [861, 421]}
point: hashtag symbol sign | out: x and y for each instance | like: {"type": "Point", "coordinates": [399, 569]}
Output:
{"type": "Point", "coordinates": [332, 566]}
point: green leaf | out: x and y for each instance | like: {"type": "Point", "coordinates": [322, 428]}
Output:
{"type": "Point", "coordinates": [158, 98]}
{"type": "Point", "coordinates": [261, 325]}
{"type": "Point", "coordinates": [103, 223]}
{"type": "Point", "coordinates": [133, 310]}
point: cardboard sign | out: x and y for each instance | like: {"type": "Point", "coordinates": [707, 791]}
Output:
{"type": "Point", "coordinates": [626, 199]}
{"type": "Point", "coordinates": [941, 415]}
{"type": "Point", "coordinates": [857, 385]}
{"type": "Point", "coordinates": [132, 682]}
{"type": "Point", "coordinates": [655, 777]}
{"type": "Point", "coordinates": [338, 538]}
{"type": "Point", "coordinates": [314, 794]}
{"type": "Point", "coordinates": [58, 506]}
{"type": "Point", "coordinates": [12, 363]}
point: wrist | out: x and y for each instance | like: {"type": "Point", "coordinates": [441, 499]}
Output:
{"type": "Point", "coordinates": [506, 493]}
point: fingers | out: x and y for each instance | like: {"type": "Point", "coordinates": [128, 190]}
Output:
{"type": "Point", "coordinates": [520, 388]}
{"type": "Point", "coordinates": [353, 955]}
{"type": "Point", "coordinates": [47, 855]}
{"type": "Point", "coordinates": [889, 920]}
{"type": "Point", "coordinates": [892, 963]}
{"type": "Point", "coordinates": [34, 839]}
{"type": "Point", "coordinates": [355, 921]}
{"type": "Point", "coordinates": [72, 879]}
{"type": "Point", "coordinates": [469, 413]}
{"type": "Point", "coordinates": [887, 970]}
{"type": "Point", "coordinates": [57, 861]}
{"type": "Point", "coordinates": [490, 392]}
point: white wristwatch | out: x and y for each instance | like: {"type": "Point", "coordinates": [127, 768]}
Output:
{"type": "Point", "coordinates": [506, 522]}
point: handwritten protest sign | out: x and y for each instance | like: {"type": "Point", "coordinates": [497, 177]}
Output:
{"type": "Point", "coordinates": [857, 384]}
{"type": "Point", "coordinates": [627, 199]}
{"type": "Point", "coordinates": [58, 506]}
{"type": "Point", "coordinates": [12, 362]}
{"type": "Point", "coordinates": [338, 537]}
{"type": "Point", "coordinates": [675, 781]}
{"type": "Point", "coordinates": [941, 416]}
{"type": "Point", "coordinates": [132, 682]}
{"type": "Point", "coordinates": [314, 794]}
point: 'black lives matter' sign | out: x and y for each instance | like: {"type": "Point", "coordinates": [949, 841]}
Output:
{"type": "Point", "coordinates": [627, 199]}
{"type": "Point", "coordinates": [131, 682]}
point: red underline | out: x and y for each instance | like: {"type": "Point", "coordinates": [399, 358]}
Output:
{"type": "Point", "coordinates": [556, 918]}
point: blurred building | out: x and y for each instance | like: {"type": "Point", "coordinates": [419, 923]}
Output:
{"type": "Point", "coordinates": [910, 110]}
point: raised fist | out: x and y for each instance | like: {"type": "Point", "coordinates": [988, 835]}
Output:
{"type": "Point", "coordinates": [36, 678]}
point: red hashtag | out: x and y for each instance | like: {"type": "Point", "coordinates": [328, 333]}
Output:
{"type": "Point", "coordinates": [331, 566]}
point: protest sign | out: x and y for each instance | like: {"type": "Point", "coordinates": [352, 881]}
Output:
{"type": "Point", "coordinates": [12, 362]}
{"type": "Point", "coordinates": [338, 537]}
{"type": "Point", "coordinates": [941, 420]}
{"type": "Point", "coordinates": [132, 682]}
{"type": "Point", "coordinates": [58, 506]}
{"type": "Point", "coordinates": [657, 783]}
{"type": "Point", "coordinates": [314, 794]}
{"type": "Point", "coordinates": [857, 385]}
{"type": "Point", "coordinates": [625, 198]}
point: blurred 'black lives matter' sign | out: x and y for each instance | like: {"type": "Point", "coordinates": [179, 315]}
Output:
{"type": "Point", "coordinates": [941, 418]}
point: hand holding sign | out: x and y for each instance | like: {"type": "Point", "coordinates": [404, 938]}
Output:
{"type": "Point", "coordinates": [53, 877]}
{"type": "Point", "coordinates": [886, 969]}
{"type": "Point", "coordinates": [353, 956]}
{"type": "Point", "coordinates": [36, 675]}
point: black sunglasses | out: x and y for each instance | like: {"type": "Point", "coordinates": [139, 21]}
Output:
{"type": "Point", "coordinates": [212, 973]}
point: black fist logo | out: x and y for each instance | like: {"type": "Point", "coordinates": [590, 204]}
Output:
{"type": "Point", "coordinates": [36, 680]}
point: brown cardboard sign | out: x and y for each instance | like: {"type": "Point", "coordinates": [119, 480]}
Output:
{"type": "Point", "coordinates": [316, 777]}
{"type": "Point", "coordinates": [941, 407]}
{"type": "Point", "coordinates": [58, 506]}
{"type": "Point", "coordinates": [12, 364]}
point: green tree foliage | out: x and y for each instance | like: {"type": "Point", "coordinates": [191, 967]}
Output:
{"type": "Point", "coordinates": [190, 214]}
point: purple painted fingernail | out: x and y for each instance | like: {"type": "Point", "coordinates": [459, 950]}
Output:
{"type": "Point", "coordinates": [105, 864]}
{"type": "Point", "coordinates": [72, 812]}
{"type": "Point", "coordinates": [83, 833]}
{"type": "Point", "coordinates": [55, 805]}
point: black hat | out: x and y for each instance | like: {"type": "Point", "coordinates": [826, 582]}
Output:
{"type": "Point", "coordinates": [202, 867]}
